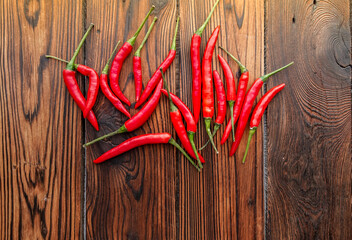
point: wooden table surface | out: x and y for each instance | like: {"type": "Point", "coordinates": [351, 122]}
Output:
{"type": "Point", "coordinates": [296, 183]}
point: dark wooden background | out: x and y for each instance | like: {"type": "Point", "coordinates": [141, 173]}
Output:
{"type": "Point", "coordinates": [296, 183]}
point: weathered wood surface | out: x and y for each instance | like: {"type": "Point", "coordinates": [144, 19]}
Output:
{"type": "Point", "coordinates": [49, 187]}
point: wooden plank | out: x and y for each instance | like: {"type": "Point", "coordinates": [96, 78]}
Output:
{"type": "Point", "coordinates": [40, 169]}
{"type": "Point", "coordinates": [133, 195]}
{"type": "Point", "coordinates": [226, 199]}
{"type": "Point", "coordinates": [309, 123]}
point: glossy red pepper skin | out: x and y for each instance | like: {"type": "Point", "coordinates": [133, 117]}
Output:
{"type": "Point", "coordinates": [221, 98]}
{"type": "Point", "coordinates": [73, 88]}
{"type": "Point", "coordinates": [196, 76]}
{"type": "Point", "coordinates": [185, 111]}
{"type": "Point", "coordinates": [115, 70]}
{"type": "Point", "coordinates": [93, 88]}
{"type": "Point", "coordinates": [137, 73]}
{"type": "Point", "coordinates": [258, 113]}
{"type": "Point", "coordinates": [110, 95]}
{"type": "Point", "coordinates": [241, 93]}
{"type": "Point", "coordinates": [230, 80]}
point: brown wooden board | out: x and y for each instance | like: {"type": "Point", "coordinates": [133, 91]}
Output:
{"type": "Point", "coordinates": [309, 122]}
{"type": "Point", "coordinates": [40, 167]}
{"type": "Point", "coordinates": [133, 195]}
{"type": "Point", "coordinates": [225, 200]}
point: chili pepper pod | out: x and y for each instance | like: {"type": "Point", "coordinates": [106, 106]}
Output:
{"type": "Point", "coordinates": [120, 57]}
{"type": "Point", "coordinates": [207, 89]}
{"type": "Point", "coordinates": [137, 63]}
{"type": "Point", "coordinates": [106, 89]}
{"type": "Point", "coordinates": [155, 79]}
{"type": "Point", "coordinates": [137, 120]}
{"type": "Point", "coordinates": [177, 122]}
{"type": "Point", "coordinates": [221, 99]}
{"type": "Point", "coordinates": [241, 93]}
{"type": "Point", "coordinates": [196, 66]}
{"type": "Point", "coordinates": [141, 140]}
{"type": "Point", "coordinates": [247, 107]}
{"type": "Point", "coordinates": [231, 89]}
{"type": "Point", "coordinates": [258, 113]}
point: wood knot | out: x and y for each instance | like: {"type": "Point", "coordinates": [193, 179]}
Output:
{"type": "Point", "coordinates": [31, 11]}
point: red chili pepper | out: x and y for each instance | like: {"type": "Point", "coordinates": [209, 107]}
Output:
{"type": "Point", "coordinates": [258, 113]}
{"type": "Point", "coordinates": [231, 89]}
{"type": "Point", "coordinates": [221, 99]}
{"type": "Point", "coordinates": [120, 57]}
{"type": "Point", "coordinates": [69, 75]}
{"type": "Point", "coordinates": [141, 140]}
{"type": "Point", "coordinates": [155, 79]}
{"type": "Point", "coordinates": [137, 120]}
{"type": "Point", "coordinates": [196, 66]}
{"type": "Point", "coordinates": [106, 89]}
{"type": "Point", "coordinates": [241, 93]}
{"type": "Point", "coordinates": [247, 107]}
{"type": "Point", "coordinates": [137, 63]}
{"type": "Point", "coordinates": [180, 129]}
{"type": "Point", "coordinates": [207, 89]}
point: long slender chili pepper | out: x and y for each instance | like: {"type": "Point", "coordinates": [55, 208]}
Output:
{"type": "Point", "coordinates": [104, 85]}
{"type": "Point", "coordinates": [69, 75]}
{"type": "Point", "coordinates": [137, 120]}
{"type": "Point", "coordinates": [155, 79]}
{"type": "Point", "coordinates": [177, 122]}
{"type": "Point", "coordinates": [196, 66]}
{"type": "Point", "coordinates": [207, 89]}
{"type": "Point", "coordinates": [241, 93]}
{"type": "Point", "coordinates": [137, 63]}
{"type": "Point", "coordinates": [247, 107]}
{"type": "Point", "coordinates": [258, 113]}
{"type": "Point", "coordinates": [231, 89]}
{"type": "Point", "coordinates": [221, 99]}
{"type": "Point", "coordinates": [141, 140]}
{"type": "Point", "coordinates": [120, 57]}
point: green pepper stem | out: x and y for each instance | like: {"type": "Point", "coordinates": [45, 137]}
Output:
{"type": "Point", "coordinates": [216, 128]}
{"type": "Point", "coordinates": [231, 103]}
{"type": "Point", "coordinates": [191, 139]}
{"type": "Point", "coordinates": [106, 68]}
{"type": "Point", "coordinates": [132, 40]}
{"type": "Point", "coordinates": [201, 29]}
{"type": "Point", "coordinates": [120, 130]}
{"type": "Point", "coordinates": [207, 127]}
{"type": "Point", "coordinates": [174, 143]}
{"type": "Point", "coordinates": [173, 108]}
{"type": "Point", "coordinates": [266, 76]}
{"type": "Point", "coordinates": [70, 65]}
{"type": "Point", "coordinates": [138, 51]}
{"type": "Point", "coordinates": [251, 133]}
{"type": "Point", "coordinates": [242, 67]}
{"type": "Point", "coordinates": [61, 60]}
{"type": "Point", "coordinates": [173, 45]}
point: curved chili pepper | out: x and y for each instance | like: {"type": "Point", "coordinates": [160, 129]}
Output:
{"type": "Point", "coordinates": [247, 107]}
{"type": "Point", "coordinates": [177, 122]}
{"type": "Point", "coordinates": [221, 99]}
{"type": "Point", "coordinates": [258, 113]}
{"type": "Point", "coordinates": [196, 66]}
{"type": "Point", "coordinates": [120, 57]}
{"type": "Point", "coordinates": [137, 63]}
{"type": "Point", "coordinates": [137, 120]}
{"type": "Point", "coordinates": [69, 75]}
{"type": "Point", "coordinates": [106, 89]}
{"type": "Point", "coordinates": [231, 89]}
{"type": "Point", "coordinates": [141, 140]}
{"type": "Point", "coordinates": [155, 79]}
{"type": "Point", "coordinates": [207, 89]}
{"type": "Point", "coordinates": [241, 93]}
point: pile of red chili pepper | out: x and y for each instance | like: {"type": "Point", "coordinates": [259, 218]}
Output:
{"type": "Point", "coordinates": [240, 103]}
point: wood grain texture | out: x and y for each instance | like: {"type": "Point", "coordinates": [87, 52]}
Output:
{"type": "Point", "coordinates": [309, 151]}
{"type": "Point", "coordinates": [225, 200]}
{"type": "Point", "coordinates": [40, 169]}
{"type": "Point", "coordinates": [134, 195]}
